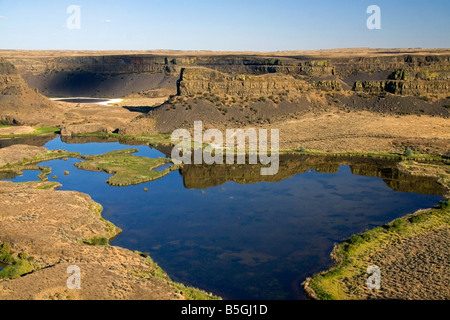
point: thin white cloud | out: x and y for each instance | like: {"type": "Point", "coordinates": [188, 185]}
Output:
{"type": "Point", "coordinates": [105, 21]}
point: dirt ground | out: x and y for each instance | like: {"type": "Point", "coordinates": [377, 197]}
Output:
{"type": "Point", "coordinates": [17, 153]}
{"type": "Point", "coordinates": [416, 268]}
{"type": "Point", "coordinates": [123, 116]}
{"type": "Point", "coordinates": [16, 130]}
{"type": "Point", "coordinates": [49, 225]}
{"type": "Point", "coordinates": [364, 131]}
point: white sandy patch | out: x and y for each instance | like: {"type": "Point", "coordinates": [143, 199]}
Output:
{"type": "Point", "coordinates": [110, 101]}
{"type": "Point", "coordinates": [103, 103]}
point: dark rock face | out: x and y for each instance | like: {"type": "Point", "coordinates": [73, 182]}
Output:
{"type": "Point", "coordinates": [388, 82]}
{"type": "Point", "coordinates": [400, 74]}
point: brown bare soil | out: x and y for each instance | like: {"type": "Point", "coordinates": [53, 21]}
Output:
{"type": "Point", "coordinates": [17, 153]}
{"type": "Point", "coordinates": [49, 225]}
{"type": "Point", "coordinates": [415, 268]}
{"type": "Point", "coordinates": [16, 130]}
{"type": "Point", "coordinates": [124, 117]}
{"type": "Point", "coordinates": [365, 131]}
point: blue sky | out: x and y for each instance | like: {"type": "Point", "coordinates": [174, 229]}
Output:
{"type": "Point", "coordinates": [264, 25]}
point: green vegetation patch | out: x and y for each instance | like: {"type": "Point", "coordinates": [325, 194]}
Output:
{"type": "Point", "coordinates": [46, 130]}
{"type": "Point", "coordinates": [30, 164]}
{"type": "Point", "coordinates": [155, 139]}
{"type": "Point", "coordinates": [126, 168]}
{"type": "Point", "coordinates": [111, 230]}
{"type": "Point", "coordinates": [407, 155]}
{"type": "Point", "coordinates": [48, 186]}
{"type": "Point", "coordinates": [17, 265]}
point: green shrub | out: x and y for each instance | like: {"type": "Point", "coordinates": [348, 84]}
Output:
{"type": "Point", "coordinates": [355, 239]}
{"type": "Point", "coordinates": [97, 241]}
{"type": "Point", "coordinates": [22, 255]}
{"type": "Point", "coordinates": [417, 219]}
{"type": "Point", "coordinates": [5, 253]}
{"type": "Point", "coordinates": [408, 152]}
{"type": "Point", "coordinates": [5, 248]}
{"type": "Point", "coordinates": [17, 269]}
{"type": "Point", "coordinates": [444, 204]}
{"type": "Point", "coordinates": [397, 224]}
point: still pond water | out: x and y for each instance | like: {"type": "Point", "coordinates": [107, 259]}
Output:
{"type": "Point", "coordinates": [224, 230]}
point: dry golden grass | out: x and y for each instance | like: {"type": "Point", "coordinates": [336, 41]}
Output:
{"type": "Point", "coordinates": [363, 131]}
{"type": "Point", "coordinates": [328, 53]}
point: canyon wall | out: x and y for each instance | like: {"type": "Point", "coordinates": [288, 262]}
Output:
{"type": "Point", "coordinates": [242, 74]}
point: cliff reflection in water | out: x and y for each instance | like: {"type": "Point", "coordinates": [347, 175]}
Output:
{"type": "Point", "coordinates": [208, 176]}
{"type": "Point", "coordinates": [204, 176]}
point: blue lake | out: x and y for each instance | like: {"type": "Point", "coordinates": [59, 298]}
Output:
{"type": "Point", "coordinates": [222, 229]}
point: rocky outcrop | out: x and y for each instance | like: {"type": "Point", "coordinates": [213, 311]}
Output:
{"type": "Point", "coordinates": [410, 73]}
{"type": "Point", "coordinates": [416, 88]}
{"type": "Point", "coordinates": [18, 153]}
{"type": "Point", "coordinates": [83, 128]}
{"type": "Point", "coordinates": [399, 75]}
{"type": "Point", "coordinates": [200, 80]}
{"type": "Point", "coordinates": [19, 104]}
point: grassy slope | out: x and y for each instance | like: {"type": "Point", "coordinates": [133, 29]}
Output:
{"type": "Point", "coordinates": [352, 255]}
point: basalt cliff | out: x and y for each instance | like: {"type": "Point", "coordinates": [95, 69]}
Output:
{"type": "Point", "coordinates": [233, 89]}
